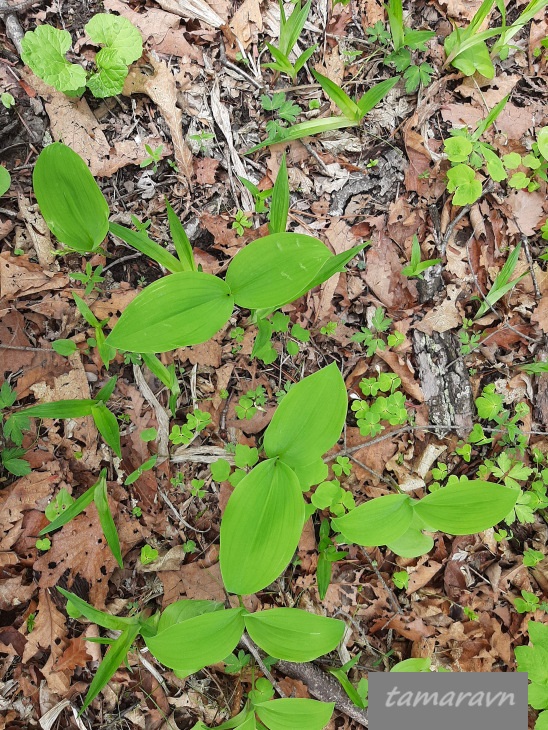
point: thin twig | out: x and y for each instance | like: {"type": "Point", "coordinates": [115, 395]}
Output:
{"type": "Point", "coordinates": [28, 349]}
{"type": "Point", "coordinates": [252, 647]}
{"type": "Point", "coordinates": [525, 242]}
{"type": "Point", "coordinates": [122, 260]}
{"type": "Point", "coordinates": [393, 600]}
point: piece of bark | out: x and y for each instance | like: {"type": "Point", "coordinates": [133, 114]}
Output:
{"type": "Point", "coordinates": [540, 406]}
{"type": "Point", "coordinates": [444, 382]}
{"type": "Point", "coordinates": [324, 687]}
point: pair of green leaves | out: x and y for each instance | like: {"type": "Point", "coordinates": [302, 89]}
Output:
{"type": "Point", "coordinates": [192, 634]}
{"type": "Point", "coordinates": [105, 420]}
{"type": "Point", "coordinates": [98, 494]}
{"type": "Point", "coordinates": [264, 517]}
{"type": "Point", "coordinates": [189, 307]}
{"type": "Point", "coordinates": [44, 52]}
{"type": "Point", "coordinates": [397, 521]}
{"type": "Point", "coordinates": [284, 714]}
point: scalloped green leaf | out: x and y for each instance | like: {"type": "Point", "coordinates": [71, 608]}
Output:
{"type": "Point", "coordinates": [110, 76]}
{"type": "Point", "coordinates": [43, 50]}
{"type": "Point", "coordinates": [118, 34]}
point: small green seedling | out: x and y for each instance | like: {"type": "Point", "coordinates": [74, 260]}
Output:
{"type": "Point", "coordinates": [44, 49]}
{"type": "Point", "coordinates": [241, 221]}
{"type": "Point", "coordinates": [532, 558]}
{"type": "Point", "coordinates": [371, 414]}
{"type": "Point", "coordinates": [91, 278]}
{"type": "Point", "coordinates": [148, 555]}
{"type": "Point", "coordinates": [196, 422]}
{"type": "Point", "coordinates": [7, 100]}
{"type": "Point", "coordinates": [401, 579]}
{"type": "Point", "coordinates": [416, 267]}
{"type": "Point", "coordinates": [370, 337]}
{"type": "Point", "coordinates": [154, 157]}
{"type": "Point", "coordinates": [290, 30]}
{"type": "Point", "coordinates": [327, 555]}
{"type": "Point", "coordinates": [529, 603]}
{"type": "Point", "coordinates": [145, 466]}
{"type": "Point", "coordinates": [286, 111]}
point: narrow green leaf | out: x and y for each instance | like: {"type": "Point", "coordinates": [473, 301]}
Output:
{"type": "Point", "coordinates": [305, 129]}
{"type": "Point", "coordinates": [309, 420]}
{"type": "Point", "coordinates": [5, 181]}
{"type": "Point", "coordinates": [375, 94]}
{"type": "Point", "coordinates": [490, 118]}
{"type": "Point", "coordinates": [279, 207]}
{"type": "Point", "coordinates": [85, 311]}
{"type": "Point", "coordinates": [465, 509]}
{"type": "Point", "coordinates": [106, 620]}
{"type": "Point", "coordinates": [261, 527]}
{"type": "Point", "coordinates": [107, 390]}
{"type": "Point", "coordinates": [115, 655]}
{"type": "Point", "coordinates": [395, 19]}
{"type": "Point", "coordinates": [292, 28]}
{"type": "Point", "coordinates": [106, 519]}
{"type": "Point", "coordinates": [140, 241]}
{"type": "Point", "coordinates": [107, 425]}
{"type": "Point", "coordinates": [60, 409]}
{"type": "Point", "coordinates": [294, 635]}
{"type": "Point", "coordinates": [70, 200]}
{"type": "Point", "coordinates": [179, 310]}
{"type": "Point", "coordinates": [348, 107]}
{"type": "Point", "coordinates": [274, 270]}
{"type": "Point", "coordinates": [70, 512]}
{"type": "Point", "coordinates": [282, 62]}
{"type": "Point", "coordinates": [334, 265]}
{"type": "Point", "coordinates": [377, 522]}
{"type": "Point", "coordinates": [292, 713]}
{"type": "Point", "coordinates": [180, 240]}
{"type": "Point", "coordinates": [303, 58]}
{"type": "Point", "coordinates": [160, 371]}
{"type": "Point", "coordinates": [193, 644]}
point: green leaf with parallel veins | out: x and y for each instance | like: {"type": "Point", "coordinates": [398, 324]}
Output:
{"type": "Point", "coordinates": [193, 644]}
{"type": "Point", "coordinates": [5, 181]}
{"type": "Point", "coordinates": [140, 241]}
{"type": "Point", "coordinates": [274, 270]}
{"type": "Point", "coordinates": [378, 522]}
{"type": "Point", "coordinates": [116, 33]}
{"type": "Point", "coordinates": [110, 76]}
{"type": "Point", "coordinates": [179, 310]}
{"type": "Point", "coordinates": [542, 142]}
{"type": "Point", "coordinates": [70, 512]}
{"type": "Point", "coordinates": [261, 527]}
{"type": "Point", "coordinates": [184, 610]}
{"type": "Point", "coordinates": [293, 634]}
{"type": "Point", "coordinates": [43, 50]}
{"type": "Point", "coordinates": [69, 198]}
{"type": "Point", "coordinates": [291, 713]}
{"type": "Point", "coordinates": [105, 517]}
{"type": "Point", "coordinates": [466, 508]}
{"type": "Point", "coordinates": [101, 618]}
{"type": "Point", "coordinates": [309, 420]}
{"type": "Point", "coordinates": [107, 425]}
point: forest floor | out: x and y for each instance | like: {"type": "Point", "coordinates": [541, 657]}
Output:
{"type": "Point", "coordinates": [383, 182]}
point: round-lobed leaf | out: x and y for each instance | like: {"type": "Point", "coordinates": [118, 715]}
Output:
{"type": "Point", "coordinates": [292, 713]}
{"type": "Point", "coordinates": [275, 270]}
{"type": "Point", "coordinates": [69, 198]}
{"type": "Point", "coordinates": [197, 642]}
{"type": "Point", "coordinates": [179, 310]}
{"type": "Point", "coordinates": [293, 634]}
{"type": "Point", "coordinates": [261, 527]}
{"type": "Point", "coordinates": [378, 522]}
{"type": "Point", "coordinates": [464, 509]}
{"type": "Point", "coordinates": [309, 420]}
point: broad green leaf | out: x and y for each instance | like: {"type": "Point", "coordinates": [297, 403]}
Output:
{"type": "Point", "coordinates": [64, 347]}
{"type": "Point", "coordinates": [5, 181]}
{"type": "Point", "coordinates": [184, 610]}
{"type": "Point", "coordinates": [180, 240]}
{"type": "Point", "coordinates": [305, 129]}
{"type": "Point", "coordinates": [280, 201]}
{"type": "Point", "coordinates": [464, 509]}
{"type": "Point", "coordinates": [534, 661]}
{"type": "Point", "coordinates": [312, 473]}
{"type": "Point", "coordinates": [542, 141]}
{"type": "Point", "coordinates": [375, 94]}
{"type": "Point", "coordinates": [261, 527]}
{"type": "Point", "coordinates": [274, 270]}
{"type": "Point", "coordinates": [107, 425]}
{"type": "Point", "coordinates": [412, 665]}
{"type": "Point", "coordinates": [347, 106]}
{"type": "Point", "coordinates": [295, 714]}
{"type": "Point", "coordinates": [105, 517]}
{"type": "Point", "coordinates": [110, 76]}
{"type": "Point", "coordinates": [69, 198]}
{"type": "Point", "coordinates": [43, 50]}
{"type": "Point", "coordinates": [293, 634]}
{"type": "Point", "coordinates": [106, 620]}
{"type": "Point", "coordinates": [179, 310]}
{"type": "Point", "coordinates": [193, 644]}
{"type": "Point", "coordinates": [542, 721]}
{"type": "Point", "coordinates": [377, 522]}
{"type": "Point", "coordinates": [412, 543]}
{"type": "Point", "coordinates": [309, 420]}
{"type": "Point", "coordinates": [115, 655]}
{"type": "Point", "coordinates": [71, 511]}
{"type": "Point", "coordinates": [116, 33]}
{"type": "Point", "coordinates": [281, 61]}
{"type": "Point", "coordinates": [140, 241]}
{"type": "Point", "coordinates": [538, 633]}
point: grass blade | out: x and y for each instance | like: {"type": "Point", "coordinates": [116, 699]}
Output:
{"type": "Point", "coordinates": [106, 620]}
{"type": "Point", "coordinates": [375, 94]}
{"type": "Point", "coordinates": [141, 242]}
{"type": "Point", "coordinates": [279, 207]}
{"type": "Point", "coordinates": [180, 240]}
{"type": "Point", "coordinates": [347, 106]}
{"type": "Point", "coordinates": [305, 129]}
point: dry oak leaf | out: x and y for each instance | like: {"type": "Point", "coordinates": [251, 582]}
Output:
{"type": "Point", "coordinates": [205, 169]}
{"type": "Point", "coordinates": [192, 581]}
{"type": "Point", "coordinates": [383, 276]}
{"type": "Point", "coordinates": [162, 89]}
{"type": "Point", "coordinates": [443, 317]}
{"type": "Point", "coordinates": [50, 629]}
{"type": "Point", "coordinates": [20, 277]}
{"type": "Point", "coordinates": [80, 549]}
{"type": "Point", "coordinates": [422, 576]}
{"type": "Point", "coordinates": [30, 492]}
{"type": "Point", "coordinates": [13, 593]}
{"type": "Point", "coordinates": [75, 655]}
{"type": "Point", "coordinates": [73, 122]}
{"type": "Point", "coordinates": [247, 22]}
